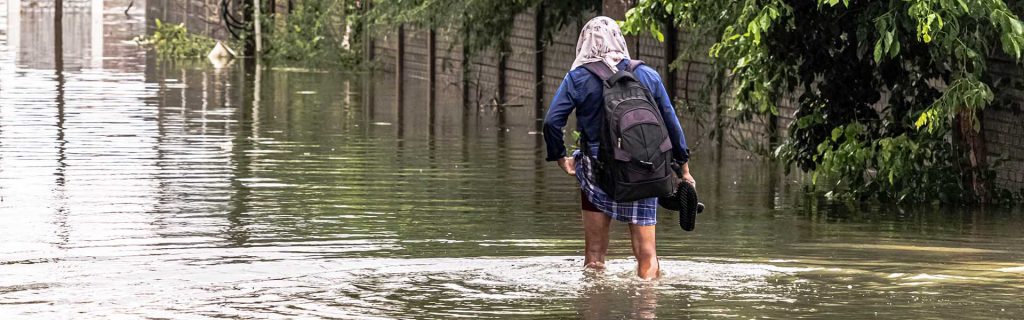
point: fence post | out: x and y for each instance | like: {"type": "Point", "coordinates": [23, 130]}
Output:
{"type": "Point", "coordinates": [400, 64]}
{"type": "Point", "coordinates": [367, 37]}
{"type": "Point", "coordinates": [206, 12]}
{"type": "Point", "coordinates": [538, 59]}
{"type": "Point", "coordinates": [466, 64]}
{"type": "Point", "coordinates": [247, 15]}
{"type": "Point", "coordinates": [58, 35]}
{"type": "Point", "coordinates": [256, 26]}
{"type": "Point", "coordinates": [431, 75]}
{"type": "Point", "coordinates": [503, 54]}
{"type": "Point", "coordinates": [431, 64]}
{"type": "Point", "coordinates": [671, 52]}
{"type": "Point", "coordinates": [716, 103]}
{"type": "Point", "coordinates": [400, 91]}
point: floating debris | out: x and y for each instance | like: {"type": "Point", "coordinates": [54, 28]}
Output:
{"type": "Point", "coordinates": [221, 55]}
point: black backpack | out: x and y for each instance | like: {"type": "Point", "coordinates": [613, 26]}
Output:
{"type": "Point", "coordinates": [635, 154]}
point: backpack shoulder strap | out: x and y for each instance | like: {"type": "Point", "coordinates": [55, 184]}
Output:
{"type": "Point", "coordinates": [633, 64]}
{"type": "Point", "coordinates": [621, 75]}
{"type": "Point", "coordinates": [599, 69]}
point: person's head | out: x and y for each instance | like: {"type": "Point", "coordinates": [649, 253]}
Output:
{"type": "Point", "coordinates": [601, 40]}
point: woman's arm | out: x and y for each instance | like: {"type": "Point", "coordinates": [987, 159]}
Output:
{"type": "Point", "coordinates": [558, 114]}
{"type": "Point", "coordinates": [680, 151]}
{"type": "Point", "coordinates": [650, 78]}
{"type": "Point", "coordinates": [685, 175]}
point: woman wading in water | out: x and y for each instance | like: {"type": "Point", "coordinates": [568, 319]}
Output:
{"type": "Point", "coordinates": [601, 41]}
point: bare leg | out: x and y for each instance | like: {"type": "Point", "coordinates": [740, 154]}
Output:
{"type": "Point", "coordinates": [644, 251]}
{"type": "Point", "coordinates": [595, 235]}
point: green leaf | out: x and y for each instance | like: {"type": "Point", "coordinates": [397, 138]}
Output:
{"type": "Point", "coordinates": [657, 34]}
{"type": "Point", "coordinates": [764, 22]}
{"type": "Point", "coordinates": [1016, 48]}
{"type": "Point", "coordinates": [894, 50]}
{"type": "Point", "coordinates": [1010, 46]}
{"type": "Point", "coordinates": [921, 121]}
{"type": "Point", "coordinates": [878, 51]}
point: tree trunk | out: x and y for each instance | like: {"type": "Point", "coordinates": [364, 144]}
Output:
{"type": "Point", "coordinates": [247, 16]}
{"type": "Point", "coordinates": [971, 142]}
{"type": "Point", "coordinates": [256, 26]}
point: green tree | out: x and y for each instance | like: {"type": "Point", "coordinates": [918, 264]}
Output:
{"type": "Point", "coordinates": [889, 92]}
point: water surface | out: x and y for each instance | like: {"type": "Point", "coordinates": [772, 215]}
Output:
{"type": "Point", "coordinates": [130, 186]}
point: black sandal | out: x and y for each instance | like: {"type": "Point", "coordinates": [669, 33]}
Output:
{"type": "Point", "coordinates": [684, 200]}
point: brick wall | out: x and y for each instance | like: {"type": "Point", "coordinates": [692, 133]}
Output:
{"type": "Point", "coordinates": [652, 52]}
{"type": "Point", "coordinates": [416, 59]}
{"type": "Point", "coordinates": [558, 57]}
{"type": "Point", "coordinates": [448, 62]}
{"type": "Point", "coordinates": [1004, 127]}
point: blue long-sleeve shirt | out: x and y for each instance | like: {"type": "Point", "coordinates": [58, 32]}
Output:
{"type": "Point", "coordinates": [583, 91]}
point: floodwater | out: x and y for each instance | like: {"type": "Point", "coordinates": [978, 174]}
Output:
{"type": "Point", "coordinates": [135, 188]}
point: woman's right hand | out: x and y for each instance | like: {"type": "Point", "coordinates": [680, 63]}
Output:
{"type": "Point", "coordinates": [685, 176]}
{"type": "Point", "coordinates": [568, 165]}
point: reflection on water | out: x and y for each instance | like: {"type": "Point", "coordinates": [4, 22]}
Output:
{"type": "Point", "coordinates": [173, 190]}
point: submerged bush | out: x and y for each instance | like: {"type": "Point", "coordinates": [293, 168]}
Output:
{"type": "Point", "coordinates": [174, 41]}
{"type": "Point", "coordinates": [316, 32]}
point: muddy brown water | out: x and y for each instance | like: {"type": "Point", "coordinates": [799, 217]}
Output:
{"type": "Point", "coordinates": [132, 187]}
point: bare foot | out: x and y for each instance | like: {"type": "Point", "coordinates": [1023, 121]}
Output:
{"type": "Point", "coordinates": [652, 272]}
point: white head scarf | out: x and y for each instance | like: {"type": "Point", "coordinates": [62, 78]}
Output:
{"type": "Point", "coordinates": [601, 40]}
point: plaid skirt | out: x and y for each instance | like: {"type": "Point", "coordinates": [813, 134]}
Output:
{"type": "Point", "coordinates": [643, 212]}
